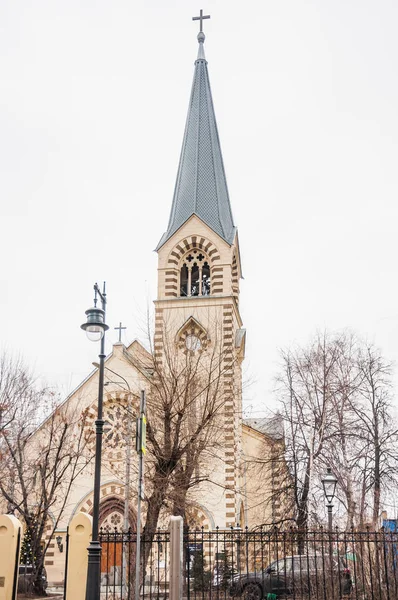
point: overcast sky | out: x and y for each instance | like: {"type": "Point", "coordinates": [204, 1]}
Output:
{"type": "Point", "coordinates": [93, 101]}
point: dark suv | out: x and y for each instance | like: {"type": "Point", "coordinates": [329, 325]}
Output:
{"type": "Point", "coordinates": [298, 576]}
{"type": "Point", "coordinates": [25, 579]}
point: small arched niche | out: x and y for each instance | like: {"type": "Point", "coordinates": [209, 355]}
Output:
{"type": "Point", "coordinates": [192, 337]}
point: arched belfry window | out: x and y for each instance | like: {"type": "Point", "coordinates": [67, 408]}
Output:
{"type": "Point", "coordinates": [195, 275]}
{"type": "Point", "coordinates": [195, 279]}
{"type": "Point", "coordinates": [206, 279]}
{"type": "Point", "coordinates": [184, 281]}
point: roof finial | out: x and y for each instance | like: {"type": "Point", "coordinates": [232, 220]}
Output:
{"type": "Point", "coordinates": [201, 19]}
{"type": "Point", "coordinates": [201, 35]}
{"type": "Point", "coordinates": [120, 331]}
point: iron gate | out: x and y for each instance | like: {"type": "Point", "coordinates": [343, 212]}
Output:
{"type": "Point", "coordinates": [251, 565]}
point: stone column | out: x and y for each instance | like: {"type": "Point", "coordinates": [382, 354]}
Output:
{"type": "Point", "coordinates": [176, 557]}
{"type": "Point", "coordinates": [189, 291]}
{"type": "Point", "coordinates": [80, 530]}
{"type": "Point", "coordinates": [10, 545]}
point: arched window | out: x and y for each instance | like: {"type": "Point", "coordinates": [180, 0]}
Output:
{"type": "Point", "coordinates": [184, 281]}
{"type": "Point", "coordinates": [195, 274]}
{"type": "Point", "coordinates": [206, 279]}
{"type": "Point", "coordinates": [195, 280]}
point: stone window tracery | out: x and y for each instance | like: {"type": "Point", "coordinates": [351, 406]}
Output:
{"type": "Point", "coordinates": [112, 522]}
{"type": "Point", "coordinates": [195, 275]}
{"type": "Point", "coordinates": [115, 427]}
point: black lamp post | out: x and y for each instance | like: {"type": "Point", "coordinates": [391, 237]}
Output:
{"type": "Point", "coordinates": [329, 483]}
{"type": "Point", "coordinates": [95, 328]}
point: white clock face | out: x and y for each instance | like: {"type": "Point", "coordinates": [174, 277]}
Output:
{"type": "Point", "coordinates": [192, 343]}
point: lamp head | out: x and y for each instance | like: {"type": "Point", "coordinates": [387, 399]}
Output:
{"type": "Point", "coordinates": [95, 325]}
{"type": "Point", "coordinates": [329, 483]}
{"type": "Point", "coordinates": [60, 545]}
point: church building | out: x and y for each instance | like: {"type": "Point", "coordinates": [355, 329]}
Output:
{"type": "Point", "coordinates": [197, 322]}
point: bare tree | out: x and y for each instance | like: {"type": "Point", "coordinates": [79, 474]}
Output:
{"type": "Point", "coordinates": [186, 404]}
{"type": "Point", "coordinates": [306, 388]}
{"type": "Point", "coordinates": [16, 381]}
{"type": "Point", "coordinates": [362, 448]}
{"type": "Point", "coordinates": [343, 447]}
{"type": "Point", "coordinates": [37, 471]}
{"type": "Point", "coordinates": [377, 428]}
{"type": "Point", "coordinates": [336, 400]}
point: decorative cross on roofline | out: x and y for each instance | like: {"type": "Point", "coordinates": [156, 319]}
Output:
{"type": "Point", "coordinates": [201, 19]}
{"type": "Point", "coordinates": [120, 330]}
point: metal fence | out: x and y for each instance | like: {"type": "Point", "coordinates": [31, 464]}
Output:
{"type": "Point", "coordinates": [251, 565]}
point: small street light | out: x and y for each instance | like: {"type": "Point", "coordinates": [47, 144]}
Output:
{"type": "Point", "coordinates": [95, 328]}
{"type": "Point", "coordinates": [60, 545]}
{"type": "Point", "coordinates": [329, 483]}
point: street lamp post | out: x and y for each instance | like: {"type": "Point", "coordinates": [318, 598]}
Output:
{"type": "Point", "coordinates": [329, 483]}
{"type": "Point", "coordinates": [141, 450]}
{"type": "Point", "coordinates": [95, 328]}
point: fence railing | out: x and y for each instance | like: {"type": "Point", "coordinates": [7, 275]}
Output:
{"type": "Point", "coordinates": [251, 565]}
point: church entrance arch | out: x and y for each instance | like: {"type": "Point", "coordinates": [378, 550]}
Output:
{"type": "Point", "coordinates": [111, 522]}
{"type": "Point", "coordinates": [112, 495]}
{"type": "Point", "coordinates": [111, 515]}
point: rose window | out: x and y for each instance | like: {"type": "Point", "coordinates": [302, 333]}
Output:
{"type": "Point", "coordinates": [115, 428]}
{"type": "Point", "coordinates": [113, 521]}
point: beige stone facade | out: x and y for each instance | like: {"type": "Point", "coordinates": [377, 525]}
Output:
{"type": "Point", "coordinates": [240, 478]}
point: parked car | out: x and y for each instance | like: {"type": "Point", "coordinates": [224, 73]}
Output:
{"type": "Point", "coordinates": [299, 575]}
{"type": "Point", "coordinates": [25, 579]}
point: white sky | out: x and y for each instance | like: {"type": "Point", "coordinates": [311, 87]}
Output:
{"type": "Point", "coordinates": [93, 101]}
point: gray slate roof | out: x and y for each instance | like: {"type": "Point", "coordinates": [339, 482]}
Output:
{"type": "Point", "coordinates": [201, 186]}
{"type": "Point", "coordinates": [270, 426]}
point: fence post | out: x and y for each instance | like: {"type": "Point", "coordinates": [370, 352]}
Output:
{"type": "Point", "coordinates": [80, 530]}
{"type": "Point", "coordinates": [176, 557]}
{"type": "Point", "coordinates": [10, 542]}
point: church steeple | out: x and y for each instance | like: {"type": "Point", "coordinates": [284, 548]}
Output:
{"type": "Point", "coordinates": [197, 306]}
{"type": "Point", "coordinates": [201, 185]}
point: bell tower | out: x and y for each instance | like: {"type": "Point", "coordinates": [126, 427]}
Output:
{"type": "Point", "coordinates": [199, 270]}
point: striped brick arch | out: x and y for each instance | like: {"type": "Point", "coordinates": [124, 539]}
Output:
{"type": "Point", "coordinates": [192, 328]}
{"type": "Point", "coordinates": [179, 251]}
{"type": "Point", "coordinates": [111, 500]}
{"type": "Point", "coordinates": [197, 518]}
{"type": "Point", "coordinates": [112, 489]}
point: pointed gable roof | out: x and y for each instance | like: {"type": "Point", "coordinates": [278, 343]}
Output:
{"type": "Point", "coordinates": [201, 185]}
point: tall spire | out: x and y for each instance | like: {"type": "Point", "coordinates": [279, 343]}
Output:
{"type": "Point", "coordinates": [201, 185]}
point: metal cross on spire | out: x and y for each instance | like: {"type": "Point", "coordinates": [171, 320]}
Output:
{"type": "Point", "coordinates": [201, 19]}
{"type": "Point", "coordinates": [120, 331]}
